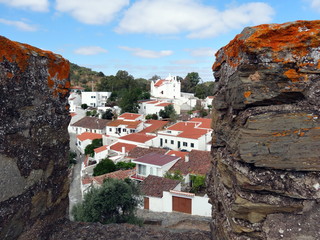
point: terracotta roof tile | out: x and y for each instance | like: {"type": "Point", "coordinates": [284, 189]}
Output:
{"type": "Point", "coordinates": [193, 133]}
{"type": "Point", "coordinates": [120, 174]}
{"type": "Point", "coordinates": [118, 147]}
{"type": "Point", "coordinates": [154, 186]}
{"type": "Point", "coordinates": [156, 159]}
{"type": "Point", "coordinates": [163, 104]}
{"type": "Point", "coordinates": [89, 135]}
{"type": "Point", "coordinates": [137, 137]}
{"type": "Point", "coordinates": [100, 149]}
{"type": "Point", "coordinates": [177, 153]}
{"type": "Point", "coordinates": [140, 152]}
{"type": "Point", "coordinates": [91, 122]}
{"type": "Point", "coordinates": [128, 124]}
{"type": "Point", "coordinates": [130, 116]}
{"type": "Point", "coordinates": [199, 163]}
{"type": "Point", "coordinates": [156, 125]}
{"type": "Point", "coordinates": [159, 82]}
{"type": "Point", "coordinates": [205, 122]}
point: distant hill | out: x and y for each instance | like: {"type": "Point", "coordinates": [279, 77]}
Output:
{"type": "Point", "coordinates": [84, 77]}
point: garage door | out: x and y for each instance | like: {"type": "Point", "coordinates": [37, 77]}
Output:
{"type": "Point", "coordinates": [180, 204]}
{"type": "Point", "coordinates": [146, 203]}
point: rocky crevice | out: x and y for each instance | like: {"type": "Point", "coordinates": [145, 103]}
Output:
{"type": "Point", "coordinates": [264, 182]}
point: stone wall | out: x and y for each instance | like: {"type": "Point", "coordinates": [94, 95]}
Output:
{"type": "Point", "coordinates": [265, 177]}
{"type": "Point", "coordinates": [34, 141]}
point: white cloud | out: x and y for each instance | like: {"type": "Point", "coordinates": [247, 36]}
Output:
{"type": "Point", "coordinates": [190, 17]}
{"type": "Point", "coordinates": [90, 50]}
{"type": "Point", "coordinates": [185, 62]}
{"type": "Point", "coordinates": [34, 5]}
{"type": "Point", "coordinates": [91, 11]}
{"type": "Point", "coordinates": [19, 24]}
{"type": "Point", "coordinates": [202, 52]}
{"type": "Point", "coordinates": [147, 53]}
{"type": "Point", "coordinates": [315, 4]}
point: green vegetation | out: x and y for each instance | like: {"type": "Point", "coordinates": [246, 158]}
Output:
{"type": "Point", "coordinates": [198, 183]}
{"type": "Point", "coordinates": [89, 150]}
{"type": "Point", "coordinates": [152, 116]}
{"type": "Point", "coordinates": [72, 156]}
{"type": "Point", "coordinates": [108, 114]}
{"type": "Point", "coordinates": [115, 201]}
{"type": "Point", "coordinates": [103, 167]}
{"type": "Point", "coordinates": [83, 76]}
{"type": "Point", "coordinates": [84, 106]}
{"type": "Point", "coordinates": [176, 175]}
{"type": "Point", "coordinates": [106, 166]}
{"type": "Point", "coordinates": [168, 112]}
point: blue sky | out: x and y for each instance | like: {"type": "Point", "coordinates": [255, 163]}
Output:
{"type": "Point", "coordinates": [143, 37]}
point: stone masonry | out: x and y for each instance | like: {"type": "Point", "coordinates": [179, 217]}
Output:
{"type": "Point", "coordinates": [265, 177]}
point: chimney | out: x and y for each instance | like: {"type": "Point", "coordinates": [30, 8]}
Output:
{"type": "Point", "coordinates": [123, 150]}
{"type": "Point", "coordinates": [186, 158]}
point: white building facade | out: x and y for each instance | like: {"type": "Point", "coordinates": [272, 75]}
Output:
{"type": "Point", "coordinates": [95, 99]}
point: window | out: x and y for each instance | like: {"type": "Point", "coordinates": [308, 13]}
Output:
{"type": "Point", "coordinates": [110, 129]}
{"type": "Point", "coordinates": [93, 96]}
{"type": "Point", "coordinates": [185, 144]}
{"type": "Point", "coordinates": [124, 130]}
{"type": "Point", "coordinates": [141, 169]}
{"type": "Point", "coordinates": [192, 145]}
{"type": "Point", "coordinates": [172, 142]}
{"type": "Point", "coordinates": [132, 131]}
{"type": "Point", "coordinates": [165, 141]}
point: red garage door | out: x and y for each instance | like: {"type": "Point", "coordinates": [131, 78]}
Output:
{"type": "Point", "coordinates": [146, 203]}
{"type": "Point", "coordinates": [180, 204]}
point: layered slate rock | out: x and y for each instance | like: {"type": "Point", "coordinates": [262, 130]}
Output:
{"type": "Point", "coordinates": [265, 178]}
{"type": "Point", "coordinates": [34, 141]}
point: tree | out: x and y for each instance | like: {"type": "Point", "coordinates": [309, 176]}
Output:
{"type": "Point", "coordinates": [89, 150]}
{"type": "Point", "coordinates": [105, 166]}
{"type": "Point", "coordinates": [108, 114]}
{"type": "Point", "coordinates": [125, 165]}
{"type": "Point", "coordinates": [189, 83]}
{"type": "Point", "coordinates": [152, 116]}
{"type": "Point", "coordinates": [168, 112]}
{"type": "Point", "coordinates": [116, 201]}
{"type": "Point", "coordinates": [84, 106]}
{"type": "Point", "coordinates": [154, 77]}
{"type": "Point", "coordinates": [198, 182]}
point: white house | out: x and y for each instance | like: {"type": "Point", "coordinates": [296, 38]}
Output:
{"type": "Point", "coordinates": [155, 106]}
{"type": "Point", "coordinates": [89, 124]}
{"type": "Point", "coordinates": [74, 101]}
{"type": "Point", "coordinates": [118, 128]}
{"type": "Point", "coordinates": [153, 164]}
{"type": "Point", "coordinates": [141, 139]}
{"type": "Point", "coordinates": [85, 139]}
{"type": "Point", "coordinates": [166, 88]}
{"type": "Point", "coordinates": [193, 134]}
{"type": "Point", "coordinates": [95, 99]}
{"type": "Point", "coordinates": [165, 195]}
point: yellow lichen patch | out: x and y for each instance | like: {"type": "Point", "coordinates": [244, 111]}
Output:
{"type": "Point", "coordinates": [247, 94]}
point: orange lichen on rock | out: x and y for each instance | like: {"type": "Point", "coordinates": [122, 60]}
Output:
{"type": "Point", "coordinates": [296, 37]}
{"type": "Point", "coordinates": [247, 94]}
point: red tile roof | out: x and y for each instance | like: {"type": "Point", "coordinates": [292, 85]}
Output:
{"type": "Point", "coordinates": [152, 102]}
{"type": "Point", "coordinates": [159, 82]}
{"type": "Point", "coordinates": [118, 147]}
{"type": "Point", "coordinates": [193, 133]}
{"type": "Point", "coordinates": [130, 116]}
{"type": "Point", "coordinates": [182, 126]}
{"type": "Point", "coordinates": [128, 124]}
{"type": "Point", "coordinates": [91, 122]}
{"type": "Point", "coordinates": [177, 153]}
{"type": "Point", "coordinates": [73, 114]}
{"type": "Point", "coordinates": [100, 149]}
{"type": "Point", "coordinates": [155, 126]}
{"type": "Point", "coordinates": [205, 122]}
{"type": "Point", "coordinates": [89, 135]}
{"type": "Point", "coordinates": [140, 152]}
{"type": "Point", "coordinates": [199, 163]}
{"type": "Point", "coordinates": [154, 186]}
{"type": "Point", "coordinates": [87, 180]}
{"type": "Point", "coordinates": [77, 87]}
{"type": "Point", "coordinates": [163, 104]}
{"type": "Point", "coordinates": [120, 174]}
{"type": "Point", "coordinates": [156, 159]}
{"type": "Point", "coordinates": [137, 137]}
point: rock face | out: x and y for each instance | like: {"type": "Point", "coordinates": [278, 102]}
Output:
{"type": "Point", "coordinates": [265, 177]}
{"type": "Point", "coordinates": [34, 141]}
